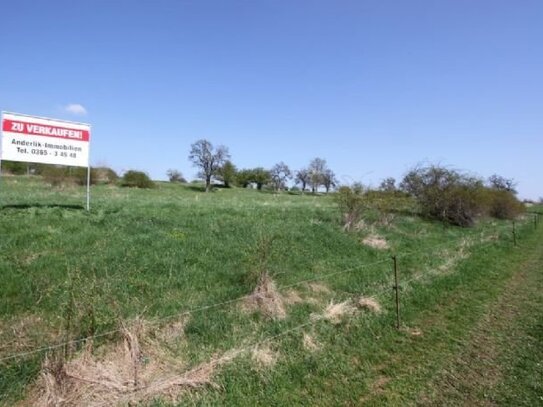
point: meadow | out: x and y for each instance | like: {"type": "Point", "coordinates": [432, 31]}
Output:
{"type": "Point", "coordinates": [177, 268]}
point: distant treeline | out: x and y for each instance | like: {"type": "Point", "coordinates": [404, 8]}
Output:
{"type": "Point", "coordinates": [58, 175]}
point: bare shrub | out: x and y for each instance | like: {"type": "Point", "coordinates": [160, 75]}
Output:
{"type": "Point", "coordinates": [175, 176]}
{"type": "Point", "coordinates": [265, 297]}
{"type": "Point", "coordinates": [351, 203]}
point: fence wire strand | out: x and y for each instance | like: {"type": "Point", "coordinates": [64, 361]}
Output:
{"type": "Point", "coordinates": [382, 287]}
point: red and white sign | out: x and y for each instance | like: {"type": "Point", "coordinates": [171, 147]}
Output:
{"type": "Point", "coordinates": [42, 140]}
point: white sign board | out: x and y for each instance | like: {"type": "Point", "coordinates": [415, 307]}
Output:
{"type": "Point", "coordinates": [42, 140]}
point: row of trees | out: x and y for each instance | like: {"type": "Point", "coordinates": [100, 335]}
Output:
{"type": "Point", "coordinates": [60, 175]}
{"type": "Point", "coordinates": [214, 163]}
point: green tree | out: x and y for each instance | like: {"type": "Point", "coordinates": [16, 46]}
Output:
{"type": "Point", "coordinates": [227, 173]}
{"type": "Point", "coordinates": [260, 177]}
{"type": "Point", "coordinates": [244, 177]}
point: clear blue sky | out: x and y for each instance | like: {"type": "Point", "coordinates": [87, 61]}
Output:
{"type": "Point", "coordinates": [374, 87]}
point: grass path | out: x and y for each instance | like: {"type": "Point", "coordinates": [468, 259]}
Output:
{"type": "Point", "coordinates": [483, 373]}
{"type": "Point", "coordinates": [497, 361]}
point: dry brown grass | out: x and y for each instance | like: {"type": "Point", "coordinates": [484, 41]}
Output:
{"type": "Point", "coordinates": [386, 219]}
{"type": "Point", "coordinates": [336, 312]}
{"type": "Point", "coordinates": [360, 225]}
{"type": "Point", "coordinates": [264, 356]}
{"type": "Point", "coordinates": [310, 343]}
{"type": "Point", "coordinates": [319, 288]}
{"type": "Point", "coordinates": [376, 242]}
{"type": "Point", "coordinates": [452, 259]}
{"type": "Point", "coordinates": [24, 333]}
{"type": "Point", "coordinates": [173, 331]}
{"type": "Point", "coordinates": [292, 297]}
{"type": "Point", "coordinates": [266, 299]}
{"type": "Point", "coordinates": [136, 369]}
{"type": "Point", "coordinates": [369, 303]}
{"type": "Point", "coordinates": [412, 331]}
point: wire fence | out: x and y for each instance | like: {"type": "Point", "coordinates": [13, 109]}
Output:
{"type": "Point", "coordinates": [223, 305]}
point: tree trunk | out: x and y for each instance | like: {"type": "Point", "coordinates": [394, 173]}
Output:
{"type": "Point", "coordinates": [208, 184]}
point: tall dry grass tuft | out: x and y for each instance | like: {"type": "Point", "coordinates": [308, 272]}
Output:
{"type": "Point", "coordinates": [369, 303]}
{"type": "Point", "coordinates": [266, 299]}
{"type": "Point", "coordinates": [136, 369]}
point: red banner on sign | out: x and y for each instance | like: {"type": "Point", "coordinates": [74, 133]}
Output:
{"type": "Point", "coordinates": [38, 129]}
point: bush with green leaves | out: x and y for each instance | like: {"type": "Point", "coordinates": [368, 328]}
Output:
{"type": "Point", "coordinates": [15, 167]}
{"type": "Point", "coordinates": [136, 179]}
{"type": "Point", "coordinates": [504, 204]}
{"type": "Point", "coordinates": [79, 175]}
{"type": "Point", "coordinates": [56, 175]}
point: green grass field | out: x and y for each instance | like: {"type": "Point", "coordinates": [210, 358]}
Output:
{"type": "Point", "coordinates": [469, 298]}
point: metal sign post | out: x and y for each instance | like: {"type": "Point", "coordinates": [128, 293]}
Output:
{"type": "Point", "coordinates": [88, 187]}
